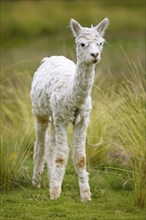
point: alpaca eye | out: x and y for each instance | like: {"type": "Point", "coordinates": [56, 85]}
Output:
{"type": "Point", "coordinates": [100, 44]}
{"type": "Point", "coordinates": [83, 45]}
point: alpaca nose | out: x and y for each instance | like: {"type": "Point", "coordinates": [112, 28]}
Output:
{"type": "Point", "coordinates": [94, 54]}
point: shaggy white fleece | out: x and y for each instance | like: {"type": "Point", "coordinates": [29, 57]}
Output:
{"type": "Point", "coordinates": [60, 94]}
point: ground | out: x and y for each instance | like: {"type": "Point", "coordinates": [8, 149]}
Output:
{"type": "Point", "coordinates": [109, 200]}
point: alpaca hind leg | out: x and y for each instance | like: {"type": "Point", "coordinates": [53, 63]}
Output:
{"type": "Point", "coordinates": [51, 152]}
{"type": "Point", "coordinates": [41, 125]}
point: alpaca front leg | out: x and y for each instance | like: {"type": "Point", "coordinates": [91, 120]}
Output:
{"type": "Point", "coordinates": [60, 161]}
{"type": "Point", "coordinates": [79, 158]}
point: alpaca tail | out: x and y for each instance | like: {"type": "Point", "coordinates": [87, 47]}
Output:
{"type": "Point", "coordinates": [44, 59]}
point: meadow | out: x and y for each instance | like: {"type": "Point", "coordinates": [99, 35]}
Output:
{"type": "Point", "coordinates": [116, 148]}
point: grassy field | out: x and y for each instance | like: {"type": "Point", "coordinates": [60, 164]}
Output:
{"type": "Point", "coordinates": [109, 201]}
{"type": "Point", "coordinates": [116, 152]}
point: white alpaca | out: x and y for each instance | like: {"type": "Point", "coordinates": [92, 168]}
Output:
{"type": "Point", "coordinates": [60, 94]}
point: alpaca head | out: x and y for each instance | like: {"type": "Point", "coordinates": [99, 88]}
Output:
{"type": "Point", "coordinates": [89, 41]}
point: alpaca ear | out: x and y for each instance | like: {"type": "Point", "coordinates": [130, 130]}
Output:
{"type": "Point", "coordinates": [75, 27]}
{"type": "Point", "coordinates": [102, 26]}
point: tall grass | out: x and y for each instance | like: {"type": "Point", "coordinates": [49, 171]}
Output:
{"type": "Point", "coordinates": [16, 127]}
{"type": "Point", "coordinates": [118, 126]}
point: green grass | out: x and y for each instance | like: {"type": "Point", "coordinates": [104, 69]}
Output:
{"type": "Point", "coordinates": [109, 200]}
{"type": "Point", "coordinates": [118, 124]}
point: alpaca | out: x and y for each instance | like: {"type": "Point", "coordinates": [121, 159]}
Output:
{"type": "Point", "coordinates": [60, 94]}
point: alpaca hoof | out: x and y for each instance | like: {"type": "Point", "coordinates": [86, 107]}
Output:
{"type": "Point", "coordinates": [36, 183]}
{"type": "Point", "coordinates": [86, 195]}
{"type": "Point", "coordinates": [55, 193]}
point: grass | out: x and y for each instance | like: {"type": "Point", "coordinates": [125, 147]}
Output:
{"type": "Point", "coordinates": [17, 129]}
{"type": "Point", "coordinates": [118, 124]}
{"type": "Point", "coordinates": [109, 201]}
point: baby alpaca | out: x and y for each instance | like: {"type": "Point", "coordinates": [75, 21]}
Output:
{"type": "Point", "coordinates": [60, 94]}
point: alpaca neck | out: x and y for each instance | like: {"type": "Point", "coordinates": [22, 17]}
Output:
{"type": "Point", "coordinates": [82, 83]}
